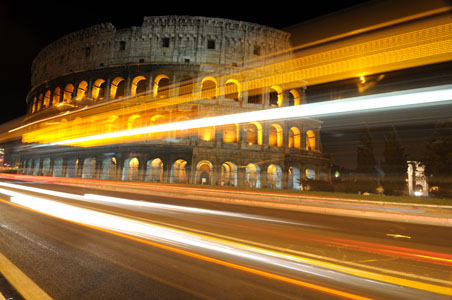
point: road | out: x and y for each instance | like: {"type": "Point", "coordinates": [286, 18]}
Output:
{"type": "Point", "coordinates": [81, 245]}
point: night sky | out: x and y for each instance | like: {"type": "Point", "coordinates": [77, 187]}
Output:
{"type": "Point", "coordinates": [28, 27]}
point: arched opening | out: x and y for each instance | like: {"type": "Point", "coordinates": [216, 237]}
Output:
{"type": "Point", "coordinates": [229, 174]}
{"type": "Point", "coordinates": [204, 172]}
{"type": "Point", "coordinates": [255, 96]}
{"type": "Point", "coordinates": [130, 170]}
{"type": "Point", "coordinates": [206, 134]}
{"type": "Point", "coordinates": [46, 99]}
{"type": "Point", "coordinates": [109, 168]}
{"type": "Point", "coordinates": [36, 166]}
{"type": "Point", "coordinates": [232, 90]}
{"type": "Point", "coordinates": [135, 121]}
{"type": "Point", "coordinates": [310, 140]}
{"type": "Point", "coordinates": [139, 86]}
{"type": "Point", "coordinates": [154, 170]}
{"type": "Point", "coordinates": [294, 98]}
{"type": "Point", "coordinates": [186, 88]}
{"type": "Point", "coordinates": [161, 86]}
{"type": "Point", "coordinates": [72, 167]}
{"type": "Point", "coordinates": [57, 167]}
{"type": "Point", "coordinates": [209, 88]}
{"type": "Point", "coordinates": [275, 96]}
{"type": "Point", "coordinates": [253, 176]}
{"type": "Point", "coordinates": [46, 167]}
{"type": "Point", "coordinates": [275, 135]}
{"type": "Point", "coordinates": [112, 124]}
{"type": "Point", "coordinates": [231, 133]}
{"type": "Point", "coordinates": [178, 172]}
{"type": "Point", "coordinates": [89, 168]}
{"type": "Point", "coordinates": [68, 92]}
{"type": "Point", "coordinates": [98, 90]}
{"type": "Point", "coordinates": [82, 90]}
{"type": "Point", "coordinates": [274, 176]}
{"type": "Point", "coordinates": [34, 105]}
{"type": "Point", "coordinates": [293, 180]}
{"type": "Point", "coordinates": [56, 96]}
{"type": "Point", "coordinates": [310, 173]}
{"type": "Point", "coordinates": [254, 133]}
{"type": "Point", "coordinates": [294, 138]}
{"type": "Point", "coordinates": [118, 88]}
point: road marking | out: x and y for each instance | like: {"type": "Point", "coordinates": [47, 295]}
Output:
{"type": "Point", "coordinates": [397, 236]}
{"type": "Point", "coordinates": [21, 282]}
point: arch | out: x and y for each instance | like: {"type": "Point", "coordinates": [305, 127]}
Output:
{"type": "Point", "coordinates": [293, 180]}
{"type": "Point", "coordinates": [229, 174]}
{"type": "Point", "coordinates": [231, 133]}
{"type": "Point", "coordinates": [68, 92]}
{"type": "Point", "coordinates": [186, 88]}
{"type": "Point", "coordinates": [161, 86]}
{"type": "Point", "coordinates": [112, 124]}
{"type": "Point", "coordinates": [276, 96]}
{"type": "Point", "coordinates": [57, 167]}
{"type": "Point", "coordinates": [204, 174]}
{"type": "Point", "coordinates": [98, 90]}
{"type": "Point", "coordinates": [36, 166]}
{"type": "Point", "coordinates": [274, 176]}
{"type": "Point", "coordinates": [254, 133]}
{"type": "Point", "coordinates": [310, 173]}
{"type": "Point", "coordinates": [130, 169]}
{"type": "Point", "coordinates": [46, 167]}
{"type": "Point", "coordinates": [72, 166]}
{"type": "Point", "coordinates": [206, 134]}
{"type": "Point", "coordinates": [253, 175]}
{"type": "Point", "coordinates": [109, 168]}
{"type": "Point", "coordinates": [118, 88]}
{"type": "Point", "coordinates": [275, 136]}
{"type": "Point", "coordinates": [294, 98]}
{"type": "Point", "coordinates": [56, 96]}
{"type": "Point", "coordinates": [294, 138]}
{"type": "Point", "coordinates": [310, 140]}
{"type": "Point", "coordinates": [154, 170]}
{"type": "Point", "coordinates": [232, 90]}
{"type": "Point", "coordinates": [89, 168]}
{"type": "Point", "coordinates": [82, 89]}
{"type": "Point", "coordinates": [134, 121]}
{"type": "Point", "coordinates": [209, 88]}
{"type": "Point", "coordinates": [138, 86]}
{"type": "Point", "coordinates": [178, 172]}
{"type": "Point", "coordinates": [39, 103]}
{"type": "Point", "coordinates": [46, 102]}
{"type": "Point", "coordinates": [34, 105]}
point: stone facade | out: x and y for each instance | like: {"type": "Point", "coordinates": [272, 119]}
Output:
{"type": "Point", "coordinates": [206, 61]}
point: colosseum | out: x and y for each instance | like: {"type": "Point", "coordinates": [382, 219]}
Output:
{"type": "Point", "coordinates": [173, 68]}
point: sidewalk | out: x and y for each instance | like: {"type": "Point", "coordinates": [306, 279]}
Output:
{"type": "Point", "coordinates": [400, 212]}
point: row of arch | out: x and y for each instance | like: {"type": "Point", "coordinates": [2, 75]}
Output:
{"type": "Point", "coordinates": [161, 87]}
{"type": "Point", "coordinates": [178, 171]}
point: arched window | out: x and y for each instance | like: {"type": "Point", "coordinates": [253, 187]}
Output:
{"type": "Point", "coordinates": [274, 176]}
{"type": "Point", "coordinates": [161, 86]}
{"type": "Point", "coordinates": [275, 135]}
{"type": "Point", "coordinates": [294, 98]}
{"type": "Point", "coordinates": [186, 88]}
{"type": "Point", "coordinates": [229, 174]}
{"type": "Point", "coordinates": [232, 90]}
{"type": "Point", "coordinates": [178, 174]}
{"type": "Point", "coordinates": [206, 134]}
{"type": "Point", "coordinates": [68, 92]}
{"type": "Point", "coordinates": [81, 90]}
{"type": "Point", "coordinates": [112, 124]}
{"type": "Point", "coordinates": [254, 134]}
{"type": "Point", "coordinates": [98, 89]}
{"type": "Point", "coordinates": [204, 172]}
{"type": "Point", "coordinates": [109, 168]}
{"type": "Point", "coordinates": [118, 88]}
{"type": "Point", "coordinates": [310, 140]}
{"type": "Point", "coordinates": [154, 171]}
{"type": "Point", "coordinates": [130, 171]}
{"type": "Point", "coordinates": [208, 88]}
{"type": "Point", "coordinates": [134, 122]}
{"type": "Point", "coordinates": [276, 96]}
{"type": "Point", "coordinates": [39, 103]}
{"type": "Point", "coordinates": [56, 96]}
{"type": "Point", "coordinates": [294, 138]}
{"type": "Point", "coordinates": [138, 86]}
{"type": "Point", "coordinates": [47, 99]}
{"type": "Point", "coordinates": [230, 133]}
{"type": "Point", "coordinates": [253, 176]}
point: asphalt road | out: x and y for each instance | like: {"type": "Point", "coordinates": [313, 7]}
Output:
{"type": "Point", "coordinates": [168, 248]}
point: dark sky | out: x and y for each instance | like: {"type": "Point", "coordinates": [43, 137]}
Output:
{"type": "Point", "coordinates": [27, 27]}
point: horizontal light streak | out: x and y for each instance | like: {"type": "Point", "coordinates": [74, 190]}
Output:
{"type": "Point", "coordinates": [402, 99]}
{"type": "Point", "coordinates": [181, 238]}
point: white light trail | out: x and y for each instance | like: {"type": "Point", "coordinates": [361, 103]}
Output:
{"type": "Point", "coordinates": [408, 98]}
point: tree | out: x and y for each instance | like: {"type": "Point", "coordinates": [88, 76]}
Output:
{"type": "Point", "coordinates": [394, 164]}
{"type": "Point", "coordinates": [438, 158]}
{"type": "Point", "coordinates": [367, 180]}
